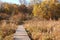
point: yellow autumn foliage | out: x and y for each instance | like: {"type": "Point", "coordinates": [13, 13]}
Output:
{"type": "Point", "coordinates": [39, 9]}
{"type": "Point", "coordinates": [48, 9]}
{"type": "Point", "coordinates": [35, 9]}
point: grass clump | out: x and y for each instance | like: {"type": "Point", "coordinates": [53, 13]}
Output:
{"type": "Point", "coordinates": [7, 29]}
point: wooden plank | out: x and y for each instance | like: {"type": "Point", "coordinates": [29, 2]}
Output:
{"type": "Point", "coordinates": [21, 34]}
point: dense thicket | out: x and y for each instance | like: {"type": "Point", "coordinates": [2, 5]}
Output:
{"type": "Point", "coordinates": [14, 10]}
{"type": "Point", "coordinates": [47, 10]}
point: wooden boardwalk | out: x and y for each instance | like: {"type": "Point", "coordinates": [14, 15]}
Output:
{"type": "Point", "coordinates": [21, 34]}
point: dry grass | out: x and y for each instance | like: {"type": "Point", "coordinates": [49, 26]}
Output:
{"type": "Point", "coordinates": [43, 29]}
{"type": "Point", "coordinates": [7, 29]}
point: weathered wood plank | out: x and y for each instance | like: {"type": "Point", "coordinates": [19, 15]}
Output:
{"type": "Point", "coordinates": [21, 34]}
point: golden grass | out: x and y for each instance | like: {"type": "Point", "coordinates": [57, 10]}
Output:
{"type": "Point", "coordinates": [7, 29]}
{"type": "Point", "coordinates": [43, 29]}
{"type": "Point", "coordinates": [10, 37]}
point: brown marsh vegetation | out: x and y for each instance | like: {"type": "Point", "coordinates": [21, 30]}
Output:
{"type": "Point", "coordinates": [43, 29]}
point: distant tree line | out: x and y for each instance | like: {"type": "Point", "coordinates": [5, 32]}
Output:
{"type": "Point", "coordinates": [13, 9]}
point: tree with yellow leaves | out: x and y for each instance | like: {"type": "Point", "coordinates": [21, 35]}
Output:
{"type": "Point", "coordinates": [47, 9]}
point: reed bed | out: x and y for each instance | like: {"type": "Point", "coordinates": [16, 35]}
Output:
{"type": "Point", "coordinates": [43, 29]}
